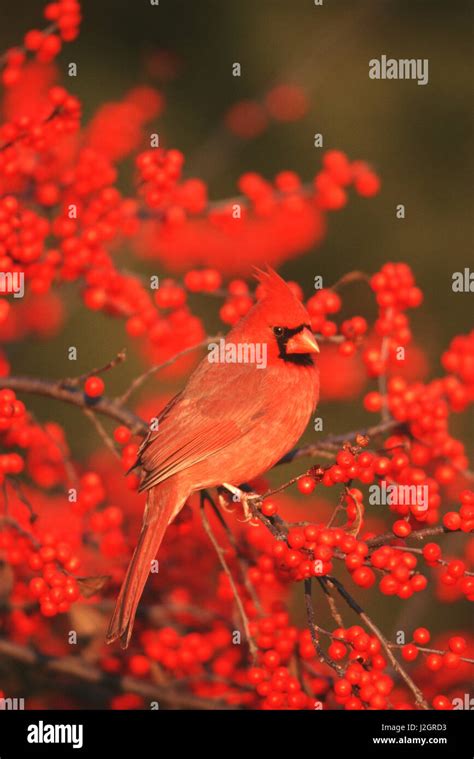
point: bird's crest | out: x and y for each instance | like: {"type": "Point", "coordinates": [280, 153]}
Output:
{"type": "Point", "coordinates": [279, 298]}
{"type": "Point", "coordinates": [270, 281]}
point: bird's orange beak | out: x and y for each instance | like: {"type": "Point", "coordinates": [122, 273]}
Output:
{"type": "Point", "coordinates": [302, 342]}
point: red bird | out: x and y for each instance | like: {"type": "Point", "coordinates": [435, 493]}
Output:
{"type": "Point", "coordinates": [231, 423]}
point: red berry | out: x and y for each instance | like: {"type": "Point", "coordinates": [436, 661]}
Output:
{"type": "Point", "coordinates": [306, 484]}
{"type": "Point", "coordinates": [337, 650]}
{"type": "Point", "coordinates": [94, 387]}
{"type": "Point", "coordinates": [442, 703]}
{"type": "Point", "coordinates": [122, 435]}
{"type": "Point", "coordinates": [421, 636]}
{"type": "Point", "coordinates": [296, 538]}
{"type": "Point", "coordinates": [434, 662]}
{"type": "Point", "coordinates": [452, 520]}
{"type": "Point", "coordinates": [364, 576]}
{"type": "Point", "coordinates": [373, 402]}
{"type": "Point", "coordinates": [401, 528]}
{"type": "Point", "coordinates": [431, 552]}
{"type": "Point", "coordinates": [409, 652]}
{"type": "Point", "coordinates": [269, 508]}
{"type": "Point", "coordinates": [457, 644]}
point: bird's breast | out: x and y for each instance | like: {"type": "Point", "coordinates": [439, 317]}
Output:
{"type": "Point", "coordinates": [280, 421]}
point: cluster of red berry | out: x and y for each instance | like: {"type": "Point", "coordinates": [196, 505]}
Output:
{"type": "Point", "coordinates": [270, 223]}
{"type": "Point", "coordinates": [65, 18]}
{"type": "Point", "coordinates": [53, 565]}
{"type": "Point", "coordinates": [337, 174]}
{"type": "Point", "coordinates": [248, 119]}
{"type": "Point", "coordinates": [35, 449]}
{"type": "Point", "coordinates": [396, 292]}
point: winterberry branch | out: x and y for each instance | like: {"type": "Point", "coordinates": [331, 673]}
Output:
{"type": "Point", "coordinates": [76, 381]}
{"type": "Point", "coordinates": [438, 651]}
{"type": "Point", "coordinates": [102, 432]}
{"type": "Point", "coordinates": [424, 532]}
{"type": "Point", "coordinates": [50, 29]}
{"type": "Point", "coordinates": [105, 406]}
{"type": "Point", "coordinates": [77, 667]}
{"type": "Point", "coordinates": [314, 630]}
{"type": "Point", "coordinates": [244, 565]}
{"type": "Point", "coordinates": [335, 613]}
{"type": "Point", "coordinates": [352, 603]}
{"type": "Point", "coordinates": [332, 442]}
{"type": "Point", "coordinates": [221, 556]}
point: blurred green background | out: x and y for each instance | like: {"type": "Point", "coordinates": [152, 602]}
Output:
{"type": "Point", "coordinates": [419, 138]}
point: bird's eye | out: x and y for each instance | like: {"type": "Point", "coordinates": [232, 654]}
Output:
{"type": "Point", "coordinates": [278, 331]}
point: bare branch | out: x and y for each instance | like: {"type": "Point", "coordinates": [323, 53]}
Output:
{"type": "Point", "coordinates": [76, 381]}
{"type": "Point", "coordinates": [76, 667]}
{"type": "Point", "coordinates": [314, 630]}
{"type": "Point", "coordinates": [221, 556]}
{"type": "Point", "coordinates": [102, 432]}
{"type": "Point", "coordinates": [103, 405]}
{"type": "Point", "coordinates": [138, 381]}
{"type": "Point", "coordinates": [419, 698]}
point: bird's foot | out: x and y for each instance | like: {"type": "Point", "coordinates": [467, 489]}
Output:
{"type": "Point", "coordinates": [245, 499]}
{"type": "Point", "coordinates": [248, 500]}
{"type": "Point", "coordinates": [226, 503]}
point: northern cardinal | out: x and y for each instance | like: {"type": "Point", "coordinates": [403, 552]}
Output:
{"type": "Point", "coordinates": [231, 423]}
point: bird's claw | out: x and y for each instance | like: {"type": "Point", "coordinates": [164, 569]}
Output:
{"type": "Point", "coordinates": [224, 502]}
{"type": "Point", "coordinates": [245, 499]}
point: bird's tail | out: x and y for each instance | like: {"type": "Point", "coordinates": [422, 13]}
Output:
{"type": "Point", "coordinates": [161, 507]}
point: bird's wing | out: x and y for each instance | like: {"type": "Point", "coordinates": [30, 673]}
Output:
{"type": "Point", "coordinates": [220, 404]}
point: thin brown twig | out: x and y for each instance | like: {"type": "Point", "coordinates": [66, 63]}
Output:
{"type": "Point", "coordinates": [352, 603]}
{"type": "Point", "coordinates": [351, 276]}
{"type": "Point", "coordinates": [419, 698]}
{"type": "Point", "coordinates": [339, 507]}
{"type": "Point", "coordinates": [223, 562]}
{"type": "Point", "coordinates": [17, 487]}
{"type": "Point", "coordinates": [425, 532]}
{"type": "Point", "coordinates": [71, 473]}
{"type": "Point", "coordinates": [335, 613]}
{"type": "Point", "coordinates": [425, 650]}
{"type": "Point", "coordinates": [76, 381]}
{"type": "Point", "coordinates": [75, 397]}
{"type": "Point", "coordinates": [50, 29]}
{"type": "Point", "coordinates": [314, 630]}
{"type": "Point", "coordinates": [102, 432]}
{"type": "Point", "coordinates": [138, 381]}
{"type": "Point", "coordinates": [332, 442]}
{"type": "Point", "coordinates": [243, 563]}
{"type": "Point", "coordinates": [440, 562]}
{"type": "Point", "coordinates": [11, 522]}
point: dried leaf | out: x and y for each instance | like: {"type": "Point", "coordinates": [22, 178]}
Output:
{"type": "Point", "coordinates": [91, 585]}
